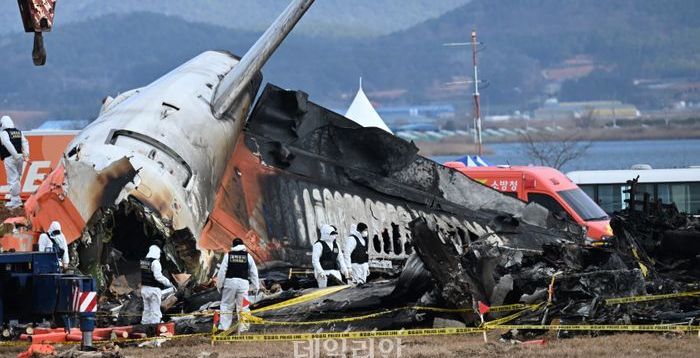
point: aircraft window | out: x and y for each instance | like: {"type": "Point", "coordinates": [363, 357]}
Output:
{"type": "Point", "coordinates": [154, 150]}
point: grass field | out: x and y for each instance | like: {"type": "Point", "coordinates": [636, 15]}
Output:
{"type": "Point", "coordinates": [617, 345]}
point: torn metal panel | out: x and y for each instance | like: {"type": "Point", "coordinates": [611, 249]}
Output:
{"type": "Point", "coordinates": [292, 133]}
{"type": "Point", "coordinates": [299, 165]}
{"type": "Point", "coordinates": [572, 279]}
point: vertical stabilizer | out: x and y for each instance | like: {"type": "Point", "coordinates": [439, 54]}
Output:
{"type": "Point", "coordinates": [236, 81]}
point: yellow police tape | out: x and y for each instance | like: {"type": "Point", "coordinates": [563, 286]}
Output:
{"type": "Point", "coordinates": [605, 327]}
{"type": "Point", "coordinates": [509, 318]}
{"type": "Point", "coordinates": [634, 299]}
{"type": "Point", "coordinates": [302, 299]}
{"type": "Point", "coordinates": [294, 301]}
{"type": "Point", "coordinates": [324, 292]}
{"type": "Point", "coordinates": [350, 335]}
{"type": "Point", "coordinates": [247, 317]}
{"type": "Point", "coordinates": [491, 325]}
{"type": "Point", "coordinates": [269, 337]}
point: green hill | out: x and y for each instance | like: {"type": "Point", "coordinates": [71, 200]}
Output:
{"type": "Point", "coordinates": [624, 39]}
{"type": "Point", "coordinates": [356, 18]}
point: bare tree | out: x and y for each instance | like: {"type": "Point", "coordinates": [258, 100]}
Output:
{"type": "Point", "coordinates": [554, 149]}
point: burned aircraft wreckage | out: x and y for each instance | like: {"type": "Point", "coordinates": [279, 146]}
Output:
{"type": "Point", "coordinates": [186, 162]}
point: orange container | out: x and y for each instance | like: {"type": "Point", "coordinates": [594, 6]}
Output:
{"type": "Point", "coordinates": [166, 329]}
{"type": "Point", "coordinates": [79, 338]}
{"type": "Point", "coordinates": [53, 337]}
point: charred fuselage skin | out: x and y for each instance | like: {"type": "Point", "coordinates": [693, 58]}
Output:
{"type": "Point", "coordinates": [298, 166]}
{"type": "Point", "coordinates": [170, 148]}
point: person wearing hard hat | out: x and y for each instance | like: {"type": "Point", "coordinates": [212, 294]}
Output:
{"type": "Point", "coordinates": [59, 244]}
{"type": "Point", "coordinates": [238, 272]}
{"type": "Point", "coordinates": [14, 150]}
{"type": "Point", "coordinates": [152, 282]}
{"type": "Point", "coordinates": [356, 253]}
{"type": "Point", "coordinates": [326, 257]}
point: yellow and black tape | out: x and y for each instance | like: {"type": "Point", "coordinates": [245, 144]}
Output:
{"type": "Point", "coordinates": [604, 327]}
{"type": "Point", "coordinates": [267, 337]}
{"type": "Point", "coordinates": [302, 299]}
{"type": "Point", "coordinates": [251, 319]}
{"type": "Point", "coordinates": [635, 299]}
{"type": "Point", "coordinates": [509, 318]}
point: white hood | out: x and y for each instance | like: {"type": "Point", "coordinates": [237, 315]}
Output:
{"type": "Point", "coordinates": [153, 252]}
{"type": "Point", "coordinates": [55, 225]}
{"type": "Point", "coordinates": [6, 122]}
{"type": "Point", "coordinates": [326, 231]}
{"type": "Point", "coordinates": [353, 231]}
{"type": "Point", "coordinates": [238, 248]}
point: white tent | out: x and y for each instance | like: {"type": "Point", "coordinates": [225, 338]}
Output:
{"type": "Point", "coordinates": [362, 112]}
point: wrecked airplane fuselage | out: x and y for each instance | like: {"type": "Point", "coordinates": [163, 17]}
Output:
{"type": "Point", "coordinates": [294, 167]}
{"type": "Point", "coordinates": [181, 161]}
{"type": "Point", "coordinates": [298, 166]}
{"type": "Point", "coordinates": [165, 167]}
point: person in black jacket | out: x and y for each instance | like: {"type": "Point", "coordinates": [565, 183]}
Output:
{"type": "Point", "coordinates": [357, 253]}
{"type": "Point", "coordinates": [238, 272]}
{"type": "Point", "coordinates": [327, 258]}
{"type": "Point", "coordinates": [152, 282]}
{"type": "Point", "coordinates": [14, 150]}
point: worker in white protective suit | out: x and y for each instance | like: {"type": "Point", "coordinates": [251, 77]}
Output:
{"type": "Point", "coordinates": [357, 254]}
{"type": "Point", "coordinates": [14, 151]}
{"type": "Point", "coordinates": [59, 244]}
{"type": "Point", "coordinates": [45, 244]}
{"type": "Point", "coordinates": [237, 274]}
{"type": "Point", "coordinates": [327, 258]}
{"type": "Point", "coordinates": [152, 282]}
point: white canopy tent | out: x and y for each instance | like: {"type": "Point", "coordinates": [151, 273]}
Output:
{"type": "Point", "coordinates": [362, 112]}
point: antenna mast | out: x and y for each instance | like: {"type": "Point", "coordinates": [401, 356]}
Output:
{"type": "Point", "coordinates": [477, 102]}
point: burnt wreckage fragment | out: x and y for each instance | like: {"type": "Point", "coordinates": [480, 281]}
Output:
{"type": "Point", "coordinates": [316, 166]}
{"type": "Point", "coordinates": [297, 165]}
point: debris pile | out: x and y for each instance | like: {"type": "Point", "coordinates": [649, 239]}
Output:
{"type": "Point", "coordinates": [667, 241]}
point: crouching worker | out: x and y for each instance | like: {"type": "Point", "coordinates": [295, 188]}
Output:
{"type": "Point", "coordinates": [326, 257]}
{"type": "Point", "coordinates": [356, 254]}
{"type": "Point", "coordinates": [152, 282]}
{"type": "Point", "coordinates": [237, 274]}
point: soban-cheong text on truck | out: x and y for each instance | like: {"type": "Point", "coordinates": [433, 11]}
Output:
{"type": "Point", "coordinates": [547, 187]}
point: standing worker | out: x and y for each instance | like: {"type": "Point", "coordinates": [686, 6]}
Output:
{"type": "Point", "coordinates": [58, 243]}
{"type": "Point", "coordinates": [237, 272]}
{"type": "Point", "coordinates": [14, 150]}
{"type": "Point", "coordinates": [326, 257]}
{"type": "Point", "coordinates": [152, 282]}
{"type": "Point", "coordinates": [356, 254]}
{"type": "Point", "coordinates": [45, 244]}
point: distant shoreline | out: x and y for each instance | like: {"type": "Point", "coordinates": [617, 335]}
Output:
{"type": "Point", "coordinates": [461, 145]}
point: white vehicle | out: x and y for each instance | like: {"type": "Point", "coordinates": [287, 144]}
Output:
{"type": "Point", "coordinates": [606, 187]}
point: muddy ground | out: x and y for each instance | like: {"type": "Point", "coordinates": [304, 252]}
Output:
{"type": "Point", "coordinates": [618, 345]}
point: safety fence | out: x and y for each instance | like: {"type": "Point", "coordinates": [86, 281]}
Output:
{"type": "Point", "coordinates": [496, 324]}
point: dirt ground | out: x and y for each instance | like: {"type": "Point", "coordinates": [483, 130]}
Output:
{"type": "Point", "coordinates": [618, 345]}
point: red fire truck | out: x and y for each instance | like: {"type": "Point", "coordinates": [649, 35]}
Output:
{"type": "Point", "coordinates": [547, 187]}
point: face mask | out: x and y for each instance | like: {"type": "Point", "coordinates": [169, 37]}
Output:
{"type": "Point", "coordinates": [365, 233]}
